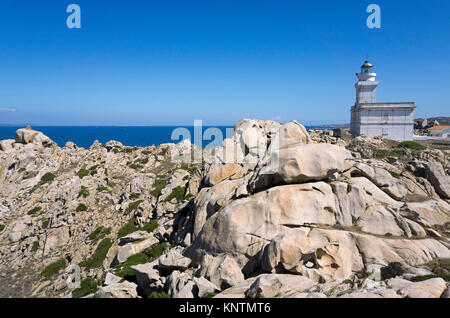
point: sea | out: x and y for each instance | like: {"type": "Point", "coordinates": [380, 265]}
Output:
{"type": "Point", "coordinates": [140, 136]}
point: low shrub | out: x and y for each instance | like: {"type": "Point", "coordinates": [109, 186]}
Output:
{"type": "Point", "coordinates": [102, 189]}
{"type": "Point", "coordinates": [84, 192]}
{"type": "Point", "coordinates": [158, 295]}
{"type": "Point", "coordinates": [150, 226]}
{"type": "Point", "coordinates": [47, 178]}
{"type": "Point", "coordinates": [128, 228]}
{"type": "Point", "coordinates": [445, 277]}
{"type": "Point", "coordinates": [45, 223]}
{"type": "Point", "coordinates": [124, 270]}
{"type": "Point", "coordinates": [34, 210]}
{"type": "Point", "coordinates": [35, 246]}
{"type": "Point", "coordinates": [54, 268]}
{"type": "Point", "coordinates": [99, 233]}
{"type": "Point", "coordinates": [209, 295]}
{"type": "Point", "coordinates": [82, 173]}
{"type": "Point", "coordinates": [87, 286]}
{"type": "Point", "coordinates": [134, 205]}
{"type": "Point", "coordinates": [96, 260]}
{"type": "Point", "coordinates": [2, 227]}
{"type": "Point", "coordinates": [177, 193]}
{"type": "Point", "coordinates": [156, 251]}
{"type": "Point", "coordinates": [81, 207]}
{"type": "Point", "coordinates": [411, 145]}
{"type": "Point", "coordinates": [158, 186]}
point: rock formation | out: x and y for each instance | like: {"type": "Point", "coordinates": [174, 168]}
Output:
{"type": "Point", "coordinates": [274, 211]}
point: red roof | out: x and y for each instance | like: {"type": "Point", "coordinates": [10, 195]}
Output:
{"type": "Point", "coordinates": [438, 127]}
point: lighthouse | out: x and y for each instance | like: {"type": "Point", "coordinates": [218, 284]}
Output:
{"type": "Point", "coordinates": [391, 120]}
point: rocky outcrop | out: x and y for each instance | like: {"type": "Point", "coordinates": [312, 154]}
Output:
{"type": "Point", "coordinates": [274, 211]}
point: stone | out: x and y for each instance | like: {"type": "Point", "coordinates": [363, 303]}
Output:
{"type": "Point", "coordinates": [301, 163]}
{"type": "Point", "coordinates": [135, 237]}
{"type": "Point", "coordinates": [278, 286]}
{"type": "Point", "coordinates": [57, 238]}
{"type": "Point", "coordinates": [431, 288]}
{"type": "Point", "coordinates": [174, 260]}
{"type": "Point", "coordinates": [438, 178]}
{"type": "Point", "coordinates": [204, 286]}
{"type": "Point", "coordinates": [7, 144]}
{"type": "Point", "coordinates": [117, 290]}
{"type": "Point", "coordinates": [223, 271]}
{"type": "Point", "coordinates": [146, 275]}
{"type": "Point", "coordinates": [176, 283]}
{"type": "Point", "coordinates": [133, 248]}
{"type": "Point", "coordinates": [111, 279]}
{"type": "Point", "coordinates": [218, 173]}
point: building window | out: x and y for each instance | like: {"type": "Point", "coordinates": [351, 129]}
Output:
{"type": "Point", "coordinates": [386, 116]}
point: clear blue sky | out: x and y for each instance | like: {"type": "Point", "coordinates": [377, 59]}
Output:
{"type": "Point", "coordinates": [169, 62]}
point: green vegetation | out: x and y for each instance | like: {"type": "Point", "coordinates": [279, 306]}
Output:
{"type": "Point", "coordinates": [163, 152]}
{"type": "Point", "coordinates": [157, 251]}
{"type": "Point", "coordinates": [99, 233]}
{"type": "Point", "coordinates": [158, 295]}
{"type": "Point", "coordinates": [111, 184]}
{"type": "Point", "coordinates": [427, 277]}
{"type": "Point", "coordinates": [54, 268]}
{"type": "Point", "coordinates": [81, 207]}
{"type": "Point", "coordinates": [35, 246]}
{"type": "Point", "coordinates": [383, 153]}
{"type": "Point", "coordinates": [45, 223]}
{"type": "Point", "coordinates": [87, 286]}
{"type": "Point", "coordinates": [135, 166]}
{"type": "Point", "coordinates": [142, 161]}
{"type": "Point", "coordinates": [177, 193]}
{"type": "Point", "coordinates": [134, 205]}
{"type": "Point", "coordinates": [190, 169]}
{"type": "Point", "coordinates": [209, 295]}
{"type": "Point", "coordinates": [102, 189]}
{"type": "Point", "coordinates": [47, 178]}
{"type": "Point", "coordinates": [128, 228]}
{"type": "Point", "coordinates": [99, 255]}
{"type": "Point", "coordinates": [2, 227]}
{"type": "Point", "coordinates": [394, 174]}
{"type": "Point", "coordinates": [158, 186]}
{"type": "Point", "coordinates": [82, 173]}
{"type": "Point", "coordinates": [34, 210]}
{"type": "Point", "coordinates": [124, 269]}
{"type": "Point", "coordinates": [411, 145]}
{"type": "Point", "coordinates": [134, 196]}
{"type": "Point", "coordinates": [150, 226]}
{"type": "Point", "coordinates": [146, 152]}
{"type": "Point", "coordinates": [84, 192]}
{"type": "Point", "coordinates": [189, 196]}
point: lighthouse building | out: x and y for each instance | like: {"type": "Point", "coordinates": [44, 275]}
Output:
{"type": "Point", "coordinates": [388, 120]}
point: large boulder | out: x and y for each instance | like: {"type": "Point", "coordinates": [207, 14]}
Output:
{"type": "Point", "coordinates": [174, 260]}
{"type": "Point", "coordinates": [301, 163]}
{"type": "Point", "coordinates": [117, 290]}
{"type": "Point", "coordinates": [438, 178]}
{"type": "Point", "coordinates": [223, 271]}
{"type": "Point", "coordinates": [28, 135]}
{"type": "Point", "coordinates": [279, 286]}
{"type": "Point", "coordinates": [7, 144]}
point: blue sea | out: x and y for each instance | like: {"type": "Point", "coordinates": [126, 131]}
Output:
{"type": "Point", "coordinates": [141, 136]}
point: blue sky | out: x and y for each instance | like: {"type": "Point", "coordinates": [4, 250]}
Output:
{"type": "Point", "coordinates": [168, 62]}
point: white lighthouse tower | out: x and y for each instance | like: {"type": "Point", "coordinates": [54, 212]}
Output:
{"type": "Point", "coordinates": [388, 120]}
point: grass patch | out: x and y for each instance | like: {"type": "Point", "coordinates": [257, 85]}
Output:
{"type": "Point", "coordinates": [158, 186]}
{"type": "Point", "coordinates": [394, 174]}
{"type": "Point", "coordinates": [177, 193]}
{"type": "Point", "coordinates": [102, 189]}
{"type": "Point", "coordinates": [35, 246]}
{"type": "Point", "coordinates": [411, 145]}
{"type": "Point", "coordinates": [128, 228]}
{"type": "Point", "coordinates": [134, 205]}
{"type": "Point", "coordinates": [124, 269]}
{"type": "Point", "coordinates": [2, 227]}
{"type": "Point", "coordinates": [134, 196]}
{"type": "Point", "coordinates": [47, 178]}
{"type": "Point", "coordinates": [81, 207]}
{"type": "Point", "coordinates": [45, 223]}
{"type": "Point", "coordinates": [54, 268]}
{"type": "Point", "coordinates": [84, 192]}
{"type": "Point", "coordinates": [416, 279]}
{"type": "Point", "coordinates": [150, 226]}
{"type": "Point", "coordinates": [163, 152]}
{"type": "Point", "coordinates": [146, 152]}
{"type": "Point", "coordinates": [156, 251]}
{"type": "Point", "coordinates": [190, 169]}
{"type": "Point", "coordinates": [88, 286]}
{"type": "Point", "coordinates": [112, 184]}
{"type": "Point", "coordinates": [82, 173]}
{"type": "Point", "coordinates": [99, 233]}
{"type": "Point", "coordinates": [158, 295]}
{"type": "Point", "coordinates": [383, 153]}
{"type": "Point", "coordinates": [209, 295]}
{"type": "Point", "coordinates": [34, 210]}
{"type": "Point", "coordinates": [135, 166]}
{"type": "Point", "coordinates": [96, 260]}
